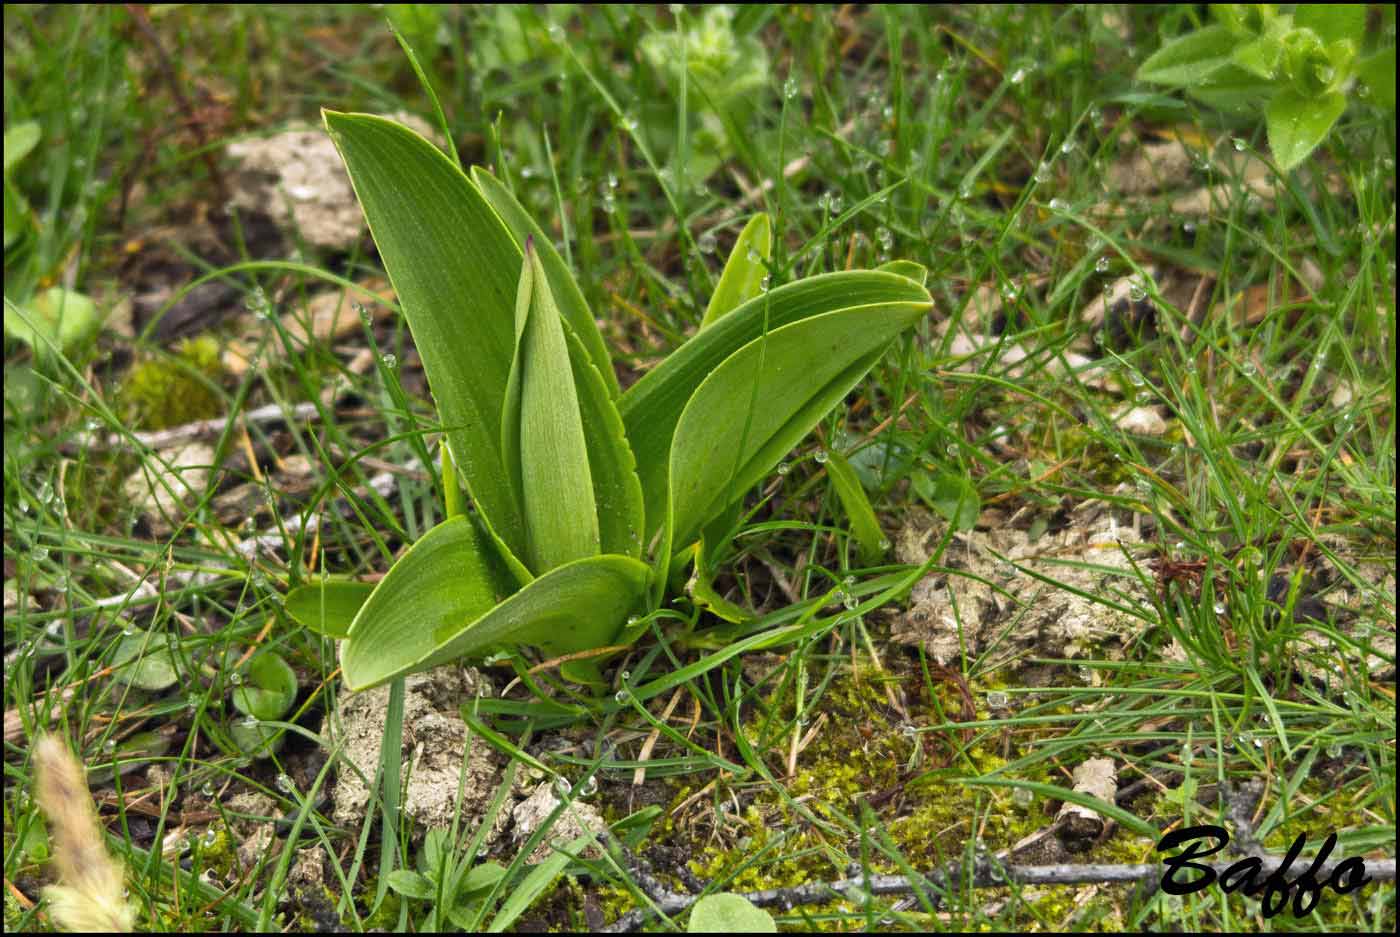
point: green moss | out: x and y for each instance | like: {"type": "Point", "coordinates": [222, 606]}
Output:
{"type": "Point", "coordinates": [164, 392]}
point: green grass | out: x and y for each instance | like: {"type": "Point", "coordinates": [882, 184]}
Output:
{"type": "Point", "coordinates": [976, 141]}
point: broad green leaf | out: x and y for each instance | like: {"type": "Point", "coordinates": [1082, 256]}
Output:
{"type": "Point", "coordinates": [907, 268]}
{"type": "Point", "coordinates": [865, 527]}
{"type": "Point", "coordinates": [652, 407]}
{"type": "Point", "coordinates": [20, 140]}
{"type": "Point", "coordinates": [57, 319]}
{"type": "Point", "coordinates": [268, 690]}
{"type": "Point", "coordinates": [443, 580]}
{"type": "Point", "coordinates": [542, 433]}
{"type": "Point", "coordinates": [1378, 72]}
{"type": "Point", "coordinates": [743, 274]}
{"type": "Point", "coordinates": [1297, 124]}
{"type": "Point", "coordinates": [455, 267]}
{"type": "Point", "coordinates": [482, 876]}
{"type": "Point", "coordinates": [1333, 21]}
{"type": "Point", "coordinates": [17, 218]}
{"type": "Point", "coordinates": [795, 375]}
{"type": "Point", "coordinates": [412, 884]}
{"type": "Point", "coordinates": [1233, 89]}
{"type": "Point", "coordinates": [1259, 57]}
{"type": "Point", "coordinates": [616, 490]}
{"type": "Point", "coordinates": [728, 913]}
{"type": "Point", "coordinates": [561, 282]}
{"type": "Point", "coordinates": [1190, 59]}
{"type": "Point", "coordinates": [327, 608]}
{"type": "Point", "coordinates": [439, 602]}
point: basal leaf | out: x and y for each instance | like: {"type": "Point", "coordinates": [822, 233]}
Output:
{"type": "Point", "coordinates": [865, 527]}
{"type": "Point", "coordinates": [743, 273]}
{"type": "Point", "coordinates": [440, 602]}
{"type": "Point", "coordinates": [445, 580]}
{"type": "Point", "coordinates": [616, 490]}
{"type": "Point", "coordinates": [792, 376]}
{"type": "Point", "coordinates": [651, 408]}
{"type": "Point", "coordinates": [906, 268]}
{"type": "Point", "coordinates": [327, 608]}
{"type": "Point", "coordinates": [454, 265]}
{"type": "Point", "coordinates": [561, 282]}
{"type": "Point", "coordinates": [1189, 59]}
{"type": "Point", "coordinates": [543, 433]}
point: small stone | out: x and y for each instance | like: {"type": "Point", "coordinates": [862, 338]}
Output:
{"type": "Point", "coordinates": [576, 820]}
{"type": "Point", "coordinates": [1142, 421]}
{"type": "Point", "coordinates": [161, 494]}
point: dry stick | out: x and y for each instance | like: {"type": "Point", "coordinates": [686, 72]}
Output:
{"type": "Point", "coordinates": [639, 776]}
{"type": "Point", "coordinates": [985, 873]}
{"type": "Point", "coordinates": [199, 429]}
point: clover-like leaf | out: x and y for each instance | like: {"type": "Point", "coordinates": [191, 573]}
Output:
{"type": "Point", "coordinates": [728, 913]}
{"type": "Point", "coordinates": [269, 688]}
{"type": "Point", "coordinates": [143, 661]}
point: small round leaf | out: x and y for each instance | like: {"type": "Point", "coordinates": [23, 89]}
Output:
{"type": "Point", "coordinates": [728, 913]}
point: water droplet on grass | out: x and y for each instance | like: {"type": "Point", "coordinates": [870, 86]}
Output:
{"type": "Point", "coordinates": [1102, 265]}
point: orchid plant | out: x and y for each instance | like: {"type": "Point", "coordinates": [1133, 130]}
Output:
{"type": "Point", "coordinates": [584, 498]}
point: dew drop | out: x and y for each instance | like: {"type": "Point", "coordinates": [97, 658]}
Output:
{"type": "Point", "coordinates": [784, 468]}
{"type": "Point", "coordinates": [589, 787]}
{"type": "Point", "coordinates": [390, 360]}
{"type": "Point", "coordinates": [850, 602]}
{"type": "Point", "coordinates": [623, 696]}
{"type": "Point", "coordinates": [996, 699]}
{"type": "Point", "coordinates": [820, 456]}
{"type": "Point", "coordinates": [707, 243]}
{"type": "Point", "coordinates": [285, 783]}
{"type": "Point", "coordinates": [1219, 608]}
{"type": "Point", "coordinates": [1068, 146]}
{"type": "Point", "coordinates": [1102, 265]}
{"type": "Point", "coordinates": [1059, 204]}
{"type": "Point", "coordinates": [1238, 144]}
{"type": "Point", "coordinates": [1018, 76]}
{"type": "Point", "coordinates": [1136, 293]}
{"type": "Point", "coordinates": [790, 88]}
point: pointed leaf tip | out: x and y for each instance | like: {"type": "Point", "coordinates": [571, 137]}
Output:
{"type": "Point", "coordinates": [529, 244]}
